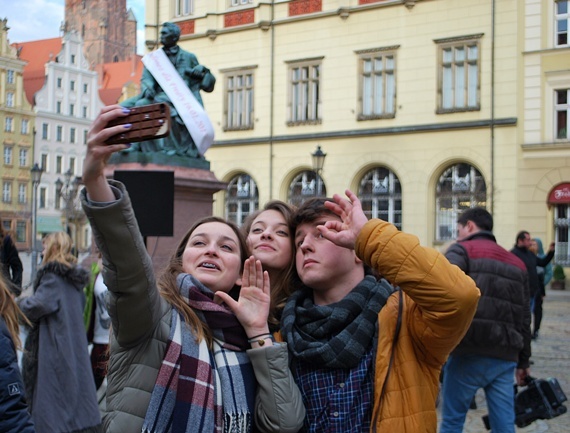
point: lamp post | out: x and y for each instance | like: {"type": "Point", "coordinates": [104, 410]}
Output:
{"type": "Point", "coordinates": [318, 162]}
{"type": "Point", "coordinates": [36, 174]}
{"type": "Point", "coordinates": [67, 192]}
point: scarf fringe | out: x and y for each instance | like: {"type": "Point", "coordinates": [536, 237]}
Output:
{"type": "Point", "coordinates": [237, 423]}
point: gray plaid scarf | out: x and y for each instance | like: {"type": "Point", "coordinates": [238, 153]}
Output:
{"type": "Point", "coordinates": [336, 335]}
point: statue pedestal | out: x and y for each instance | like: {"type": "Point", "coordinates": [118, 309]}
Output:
{"type": "Point", "coordinates": [193, 199]}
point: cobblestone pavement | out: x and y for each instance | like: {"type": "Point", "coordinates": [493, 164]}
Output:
{"type": "Point", "coordinates": [551, 357]}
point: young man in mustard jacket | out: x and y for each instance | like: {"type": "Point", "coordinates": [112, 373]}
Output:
{"type": "Point", "coordinates": [365, 354]}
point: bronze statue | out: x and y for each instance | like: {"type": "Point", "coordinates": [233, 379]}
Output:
{"type": "Point", "coordinates": [196, 76]}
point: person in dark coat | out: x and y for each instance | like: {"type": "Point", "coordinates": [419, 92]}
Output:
{"type": "Point", "coordinates": [11, 264]}
{"type": "Point", "coordinates": [56, 364]}
{"type": "Point", "coordinates": [531, 261]}
{"type": "Point", "coordinates": [14, 415]}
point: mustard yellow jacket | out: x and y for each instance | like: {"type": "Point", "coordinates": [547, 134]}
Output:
{"type": "Point", "coordinates": [439, 301]}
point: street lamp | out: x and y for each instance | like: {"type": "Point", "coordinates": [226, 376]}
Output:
{"type": "Point", "coordinates": [318, 164]}
{"type": "Point", "coordinates": [67, 192]}
{"type": "Point", "coordinates": [36, 174]}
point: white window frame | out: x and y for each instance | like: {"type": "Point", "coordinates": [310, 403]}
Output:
{"type": "Point", "coordinates": [377, 83]}
{"type": "Point", "coordinates": [10, 76]}
{"type": "Point", "coordinates": [8, 154]}
{"type": "Point", "coordinates": [45, 131]}
{"type": "Point", "coordinates": [234, 3]}
{"type": "Point", "coordinates": [561, 19]}
{"type": "Point", "coordinates": [9, 99]}
{"type": "Point", "coordinates": [460, 186]}
{"type": "Point", "coordinates": [72, 135]}
{"type": "Point", "coordinates": [561, 132]}
{"type": "Point", "coordinates": [7, 191]}
{"type": "Point", "coordinates": [59, 164]}
{"type": "Point", "coordinates": [42, 197]}
{"type": "Point", "coordinates": [23, 157]}
{"type": "Point", "coordinates": [22, 193]}
{"type": "Point", "coordinates": [9, 124]}
{"type": "Point", "coordinates": [305, 185]}
{"type": "Point", "coordinates": [380, 193]}
{"type": "Point", "coordinates": [59, 133]}
{"type": "Point", "coordinates": [44, 162]}
{"type": "Point", "coordinates": [25, 126]}
{"type": "Point", "coordinates": [305, 77]}
{"type": "Point", "coordinates": [459, 74]}
{"type": "Point", "coordinates": [239, 100]}
{"type": "Point", "coordinates": [183, 7]}
{"type": "Point", "coordinates": [242, 198]}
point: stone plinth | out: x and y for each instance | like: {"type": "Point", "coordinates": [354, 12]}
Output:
{"type": "Point", "coordinates": [193, 199]}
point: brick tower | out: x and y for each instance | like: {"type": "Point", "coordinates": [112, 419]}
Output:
{"type": "Point", "coordinates": [107, 27]}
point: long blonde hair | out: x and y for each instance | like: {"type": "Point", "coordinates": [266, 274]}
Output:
{"type": "Point", "coordinates": [57, 248]}
{"type": "Point", "coordinates": [11, 313]}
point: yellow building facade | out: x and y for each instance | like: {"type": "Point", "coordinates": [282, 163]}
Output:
{"type": "Point", "coordinates": [422, 107]}
{"type": "Point", "coordinates": [17, 139]}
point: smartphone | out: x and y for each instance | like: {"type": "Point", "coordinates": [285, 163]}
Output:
{"type": "Point", "coordinates": [148, 122]}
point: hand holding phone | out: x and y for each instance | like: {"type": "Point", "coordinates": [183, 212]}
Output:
{"type": "Point", "coordinates": [148, 123]}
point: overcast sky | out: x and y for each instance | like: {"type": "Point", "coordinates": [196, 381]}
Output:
{"type": "Point", "coordinates": [40, 19]}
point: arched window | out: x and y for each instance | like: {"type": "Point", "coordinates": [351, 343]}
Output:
{"type": "Point", "coordinates": [241, 198]}
{"type": "Point", "coordinates": [381, 195]}
{"type": "Point", "coordinates": [306, 184]}
{"type": "Point", "coordinates": [460, 187]}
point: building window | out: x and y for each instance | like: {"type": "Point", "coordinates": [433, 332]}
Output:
{"type": "Point", "coordinates": [42, 197]}
{"type": "Point", "coordinates": [460, 187]}
{"type": "Point", "coordinates": [7, 192]}
{"type": "Point", "coordinates": [306, 185]}
{"type": "Point", "coordinates": [22, 193]}
{"type": "Point", "coordinates": [72, 85]}
{"type": "Point", "coordinates": [561, 237]}
{"type": "Point", "coordinates": [241, 198]}
{"type": "Point", "coordinates": [59, 82]}
{"type": "Point", "coordinates": [72, 135]}
{"type": "Point", "coordinates": [85, 88]}
{"type": "Point", "coordinates": [58, 164]}
{"type": "Point", "coordinates": [21, 229]}
{"type": "Point", "coordinates": [562, 108]}
{"type": "Point", "coordinates": [85, 132]}
{"type": "Point", "coordinates": [10, 76]}
{"type": "Point", "coordinates": [9, 125]}
{"type": "Point", "coordinates": [240, 2]}
{"type": "Point", "coordinates": [377, 85]}
{"type": "Point", "coordinates": [239, 100]}
{"type": "Point", "coordinates": [71, 109]}
{"type": "Point", "coordinates": [73, 59]}
{"type": "Point", "coordinates": [25, 126]}
{"type": "Point", "coordinates": [8, 155]}
{"type": "Point", "coordinates": [72, 164]}
{"type": "Point", "coordinates": [458, 86]}
{"type": "Point", "coordinates": [59, 133]}
{"type": "Point", "coordinates": [57, 195]}
{"type": "Point", "coordinates": [9, 99]}
{"type": "Point", "coordinates": [45, 131]}
{"type": "Point", "coordinates": [381, 195]}
{"type": "Point", "coordinates": [84, 112]}
{"type": "Point", "coordinates": [44, 162]}
{"type": "Point", "coordinates": [23, 157]}
{"type": "Point", "coordinates": [562, 22]}
{"type": "Point", "coordinates": [304, 93]}
{"type": "Point", "coordinates": [184, 7]}
{"type": "Point", "coordinates": [58, 107]}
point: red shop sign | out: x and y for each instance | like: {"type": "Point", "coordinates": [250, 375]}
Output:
{"type": "Point", "coordinates": [560, 194]}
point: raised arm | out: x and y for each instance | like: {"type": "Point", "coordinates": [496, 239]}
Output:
{"type": "Point", "coordinates": [98, 152]}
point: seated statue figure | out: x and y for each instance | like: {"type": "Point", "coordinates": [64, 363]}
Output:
{"type": "Point", "coordinates": [197, 77]}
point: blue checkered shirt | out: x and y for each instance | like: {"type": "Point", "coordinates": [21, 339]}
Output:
{"type": "Point", "coordinates": [337, 400]}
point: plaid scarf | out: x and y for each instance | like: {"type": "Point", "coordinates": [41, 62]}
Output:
{"type": "Point", "coordinates": [199, 389]}
{"type": "Point", "coordinates": [336, 335]}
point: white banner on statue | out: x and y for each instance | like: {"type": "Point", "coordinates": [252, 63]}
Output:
{"type": "Point", "coordinates": [189, 109]}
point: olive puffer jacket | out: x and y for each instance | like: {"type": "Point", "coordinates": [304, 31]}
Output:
{"type": "Point", "coordinates": [141, 325]}
{"type": "Point", "coordinates": [439, 302]}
